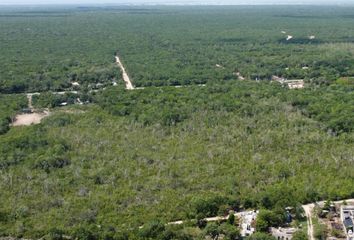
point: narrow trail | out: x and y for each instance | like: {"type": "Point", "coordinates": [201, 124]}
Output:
{"type": "Point", "coordinates": [128, 83]}
{"type": "Point", "coordinates": [29, 97]}
{"type": "Point", "coordinates": [209, 219]}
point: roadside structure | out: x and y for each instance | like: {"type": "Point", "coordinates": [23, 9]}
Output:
{"type": "Point", "coordinates": [247, 222]}
{"type": "Point", "coordinates": [295, 84]}
{"type": "Point", "coordinates": [283, 233]}
{"type": "Point", "coordinates": [347, 217]}
{"type": "Point", "coordinates": [292, 84]}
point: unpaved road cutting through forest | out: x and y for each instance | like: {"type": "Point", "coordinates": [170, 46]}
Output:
{"type": "Point", "coordinates": [128, 83]}
{"type": "Point", "coordinates": [308, 208]}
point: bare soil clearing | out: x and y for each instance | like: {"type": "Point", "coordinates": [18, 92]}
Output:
{"type": "Point", "coordinates": [27, 119]}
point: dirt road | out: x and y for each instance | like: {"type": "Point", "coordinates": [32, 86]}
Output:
{"type": "Point", "coordinates": [308, 212]}
{"type": "Point", "coordinates": [128, 83]}
{"type": "Point", "coordinates": [29, 98]}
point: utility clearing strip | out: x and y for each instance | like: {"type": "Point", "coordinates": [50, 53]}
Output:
{"type": "Point", "coordinates": [128, 83]}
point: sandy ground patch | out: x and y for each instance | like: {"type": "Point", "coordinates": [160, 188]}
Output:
{"type": "Point", "coordinates": [27, 119]}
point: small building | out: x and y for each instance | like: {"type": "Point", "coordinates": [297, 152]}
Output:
{"type": "Point", "coordinates": [292, 84]}
{"type": "Point", "coordinates": [347, 217]}
{"type": "Point", "coordinates": [247, 222]}
{"type": "Point", "coordinates": [283, 233]}
{"type": "Point", "coordinates": [295, 84]}
{"type": "Point", "coordinates": [348, 223]}
{"type": "Point", "coordinates": [27, 110]}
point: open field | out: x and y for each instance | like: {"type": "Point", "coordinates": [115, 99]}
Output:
{"type": "Point", "coordinates": [27, 119]}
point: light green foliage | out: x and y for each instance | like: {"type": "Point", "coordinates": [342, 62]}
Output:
{"type": "Point", "coordinates": [238, 144]}
{"type": "Point", "coordinates": [300, 235]}
{"type": "Point", "coordinates": [320, 231]}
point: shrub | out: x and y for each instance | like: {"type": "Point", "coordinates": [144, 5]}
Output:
{"type": "Point", "coordinates": [260, 236]}
{"type": "Point", "coordinates": [300, 235]}
{"type": "Point", "coordinates": [152, 230]}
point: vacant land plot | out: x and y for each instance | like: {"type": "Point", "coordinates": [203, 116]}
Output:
{"type": "Point", "coordinates": [27, 119]}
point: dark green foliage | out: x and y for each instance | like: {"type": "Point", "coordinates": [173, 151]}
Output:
{"type": "Point", "coordinates": [260, 236]}
{"type": "Point", "coordinates": [208, 207]}
{"type": "Point", "coordinates": [229, 231]}
{"type": "Point", "coordinates": [4, 125]}
{"type": "Point", "coordinates": [51, 100]}
{"type": "Point", "coordinates": [212, 230]}
{"type": "Point", "coordinates": [231, 219]}
{"type": "Point", "coordinates": [52, 163]}
{"type": "Point", "coordinates": [267, 219]}
{"type": "Point", "coordinates": [152, 230]}
{"type": "Point", "coordinates": [9, 106]}
{"type": "Point", "coordinates": [86, 232]}
{"type": "Point", "coordinates": [50, 51]}
{"type": "Point", "coordinates": [56, 234]}
{"type": "Point", "coordinates": [170, 106]}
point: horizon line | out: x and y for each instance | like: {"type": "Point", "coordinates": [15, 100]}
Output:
{"type": "Point", "coordinates": [176, 4]}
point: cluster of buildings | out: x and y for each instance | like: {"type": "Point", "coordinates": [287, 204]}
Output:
{"type": "Point", "coordinates": [292, 84]}
{"type": "Point", "coordinates": [339, 218]}
{"type": "Point", "coordinates": [247, 223]}
{"type": "Point", "coordinates": [283, 233]}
